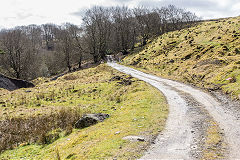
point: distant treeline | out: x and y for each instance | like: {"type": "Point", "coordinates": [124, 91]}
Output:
{"type": "Point", "coordinates": [43, 50]}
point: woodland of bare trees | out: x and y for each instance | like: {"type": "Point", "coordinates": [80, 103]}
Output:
{"type": "Point", "coordinates": [31, 51]}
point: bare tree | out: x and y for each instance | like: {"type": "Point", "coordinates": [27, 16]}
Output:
{"type": "Point", "coordinates": [97, 27]}
{"type": "Point", "coordinates": [173, 18]}
{"type": "Point", "coordinates": [17, 53]}
{"type": "Point", "coordinates": [49, 33]}
{"type": "Point", "coordinates": [66, 46]}
{"type": "Point", "coordinates": [76, 33]}
{"type": "Point", "coordinates": [108, 30]}
{"type": "Point", "coordinates": [34, 34]}
{"type": "Point", "coordinates": [124, 29]}
{"type": "Point", "coordinates": [140, 14]}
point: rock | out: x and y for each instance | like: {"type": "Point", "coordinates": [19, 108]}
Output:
{"type": "Point", "coordinates": [125, 82]}
{"type": "Point", "coordinates": [115, 78]}
{"type": "Point", "coordinates": [13, 84]}
{"type": "Point", "coordinates": [118, 132]}
{"type": "Point", "coordinates": [134, 138]}
{"type": "Point", "coordinates": [113, 108]}
{"type": "Point", "coordinates": [90, 119]}
{"type": "Point", "coordinates": [122, 80]}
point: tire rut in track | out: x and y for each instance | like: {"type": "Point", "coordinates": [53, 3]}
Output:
{"type": "Point", "coordinates": [209, 140]}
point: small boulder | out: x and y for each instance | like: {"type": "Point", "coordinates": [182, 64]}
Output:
{"type": "Point", "coordinates": [90, 119]}
{"type": "Point", "coordinates": [125, 82]}
{"type": "Point", "coordinates": [134, 138]}
{"type": "Point", "coordinates": [115, 78]}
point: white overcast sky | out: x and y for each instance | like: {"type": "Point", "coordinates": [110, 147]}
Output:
{"type": "Point", "coordinates": [24, 12]}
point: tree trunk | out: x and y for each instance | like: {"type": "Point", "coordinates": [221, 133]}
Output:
{"type": "Point", "coordinates": [69, 68]}
{"type": "Point", "coordinates": [103, 56]}
{"type": "Point", "coordinates": [80, 62]}
{"type": "Point", "coordinates": [17, 75]}
{"type": "Point", "coordinates": [95, 58]}
{"type": "Point", "coordinates": [144, 42]}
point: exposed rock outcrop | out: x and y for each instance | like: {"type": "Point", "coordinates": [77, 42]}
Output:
{"type": "Point", "coordinates": [13, 84]}
{"type": "Point", "coordinates": [134, 138]}
{"type": "Point", "coordinates": [122, 80]}
{"type": "Point", "coordinates": [90, 119]}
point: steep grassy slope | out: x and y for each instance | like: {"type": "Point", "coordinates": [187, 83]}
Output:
{"type": "Point", "coordinates": [205, 55]}
{"type": "Point", "coordinates": [134, 108]}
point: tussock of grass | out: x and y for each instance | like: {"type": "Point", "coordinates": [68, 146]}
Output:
{"type": "Point", "coordinates": [134, 108]}
{"type": "Point", "coordinates": [204, 55]}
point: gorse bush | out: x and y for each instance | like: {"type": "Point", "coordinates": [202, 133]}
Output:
{"type": "Point", "coordinates": [44, 129]}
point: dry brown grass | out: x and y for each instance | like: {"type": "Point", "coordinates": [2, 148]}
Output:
{"type": "Point", "coordinates": [43, 129]}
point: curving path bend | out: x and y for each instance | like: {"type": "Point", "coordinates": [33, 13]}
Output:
{"type": "Point", "coordinates": [190, 111]}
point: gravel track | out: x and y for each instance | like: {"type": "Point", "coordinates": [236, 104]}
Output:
{"type": "Point", "coordinates": [190, 113]}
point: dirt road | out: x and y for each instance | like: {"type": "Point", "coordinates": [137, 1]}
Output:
{"type": "Point", "coordinates": [198, 125]}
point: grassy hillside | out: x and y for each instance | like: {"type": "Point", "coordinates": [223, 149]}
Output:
{"type": "Point", "coordinates": [207, 55]}
{"type": "Point", "coordinates": [134, 108]}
